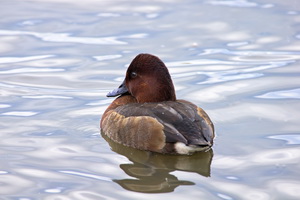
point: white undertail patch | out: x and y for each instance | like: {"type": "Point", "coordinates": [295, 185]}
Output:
{"type": "Point", "coordinates": [183, 149]}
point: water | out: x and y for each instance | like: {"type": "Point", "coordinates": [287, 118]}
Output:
{"type": "Point", "coordinates": [237, 59]}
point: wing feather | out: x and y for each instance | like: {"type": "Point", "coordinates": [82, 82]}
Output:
{"type": "Point", "coordinates": [182, 121]}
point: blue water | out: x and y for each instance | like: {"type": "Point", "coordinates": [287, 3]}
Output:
{"type": "Point", "coordinates": [237, 59]}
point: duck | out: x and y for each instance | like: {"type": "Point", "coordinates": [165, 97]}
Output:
{"type": "Point", "coordinates": [146, 114]}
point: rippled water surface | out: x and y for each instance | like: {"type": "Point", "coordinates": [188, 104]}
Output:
{"type": "Point", "coordinates": [237, 59]}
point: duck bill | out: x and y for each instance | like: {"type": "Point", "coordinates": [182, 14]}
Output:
{"type": "Point", "coordinates": [122, 89]}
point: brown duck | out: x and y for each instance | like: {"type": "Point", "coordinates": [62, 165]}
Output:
{"type": "Point", "coordinates": [147, 115]}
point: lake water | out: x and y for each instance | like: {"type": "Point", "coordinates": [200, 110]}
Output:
{"type": "Point", "coordinates": [237, 59]}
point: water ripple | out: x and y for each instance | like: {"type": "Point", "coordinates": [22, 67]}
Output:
{"type": "Point", "coordinates": [290, 139]}
{"type": "Point", "coordinates": [225, 75]}
{"type": "Point", "coordinates": [107, 57]}
{"type": "Point", "coordinates": [233, 3]}
{"type": "Point", "coordinates": [30, 70]}
{"type": "Point", "coordinates": [223, 196]}
{"type": "Point", "coordinates": [46, 97]}
{"type": "Point", "coordinates": [108, 15]}
{"type": "Point", "coordinates": [265, 158]}
{"type": "Point", "coordinates": [263, 56]}
{"type": "Point", "coordinates": [20, 113]}
{"type": "Point", "coordinates": [5, 105]}
{"type": "Point", "coordinates": [282, 94]}
{"type": "Point", "coordinates": [86, 175]}
{"type": "Point", "coordinates": [287, 188]}
{"type": "Point", "coordinates": [66, 37]}
{"type": "Point", "coordinates": [54, 190]}
{"type": "Point", "coordinates": [6, 60]}
{"type": "Point", "coordinates": [241, 65]}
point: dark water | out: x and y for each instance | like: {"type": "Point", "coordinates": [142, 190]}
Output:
{"type": "Point", "coordinates": [237, 59]}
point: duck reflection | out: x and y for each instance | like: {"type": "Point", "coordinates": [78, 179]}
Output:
{"type": "Point", "coordinates": [151, 171]}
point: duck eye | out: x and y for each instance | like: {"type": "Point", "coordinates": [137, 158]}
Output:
{"type": "Point", "coordinates": [133, 74]}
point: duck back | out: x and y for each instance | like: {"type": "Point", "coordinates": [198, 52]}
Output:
{"type": "Point", "coordinates": [161, 127]}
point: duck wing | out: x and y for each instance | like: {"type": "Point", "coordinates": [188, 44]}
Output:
{"type": "Point", "coordinates": [182, 121]}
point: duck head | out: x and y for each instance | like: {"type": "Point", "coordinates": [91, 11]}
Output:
{"type": "Point", "coordinates": [147, 80]}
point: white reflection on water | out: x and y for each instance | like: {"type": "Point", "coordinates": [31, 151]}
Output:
{"type": "Point", "coordinates": [282, 94]}
{"type": "Point", "coordinates": [80, 195]}
{"type": "Point", "coordinates": [286, 187]}
{"type": "Point", "coordinates": [272, 157]}
{"type": "Point", "coordinates": [259, 111]}
{"type": "Point", "coordinates": [290, 139]}
{"type": "Point", "coordinates": [14, 184]}
{"type": "Point", "coordinates": [30, 70]}
{"type": "Point", "coordinates": [46, 97]}
{"type": "Point", "coordinates": [234, 3]}
{"type": "Point", "coordinates": [6, 60]}
{"type": "Point", "coordinates": [53, 62]}
{"type": "Point", "coordinates": [66, 37]}
{"type": "Point", "coordinates": [223, 196]}
{"type": "Point", "coordinates": [39, 173]}
{"type": "Point", "coordinates": [20, 113]}
{"type": "Point", "coordinates": [236, 44]}
{"type": "Point", "coordinates": [254, 62]}
{"type": "Point", "coordinates": [54, 190]}
{"type": "Point", "coordinates": [5, 105]}
{"type": "Point", "coordinates": [107, 57]}
{"type": "Point", "coordinates": [86, 175]}
{"type": "Point", "coordinates": [255, 56]}
{"type": "Point", "coordinates": [248, 192]}
{"type": "Point", "coordinates": [108, 15]}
